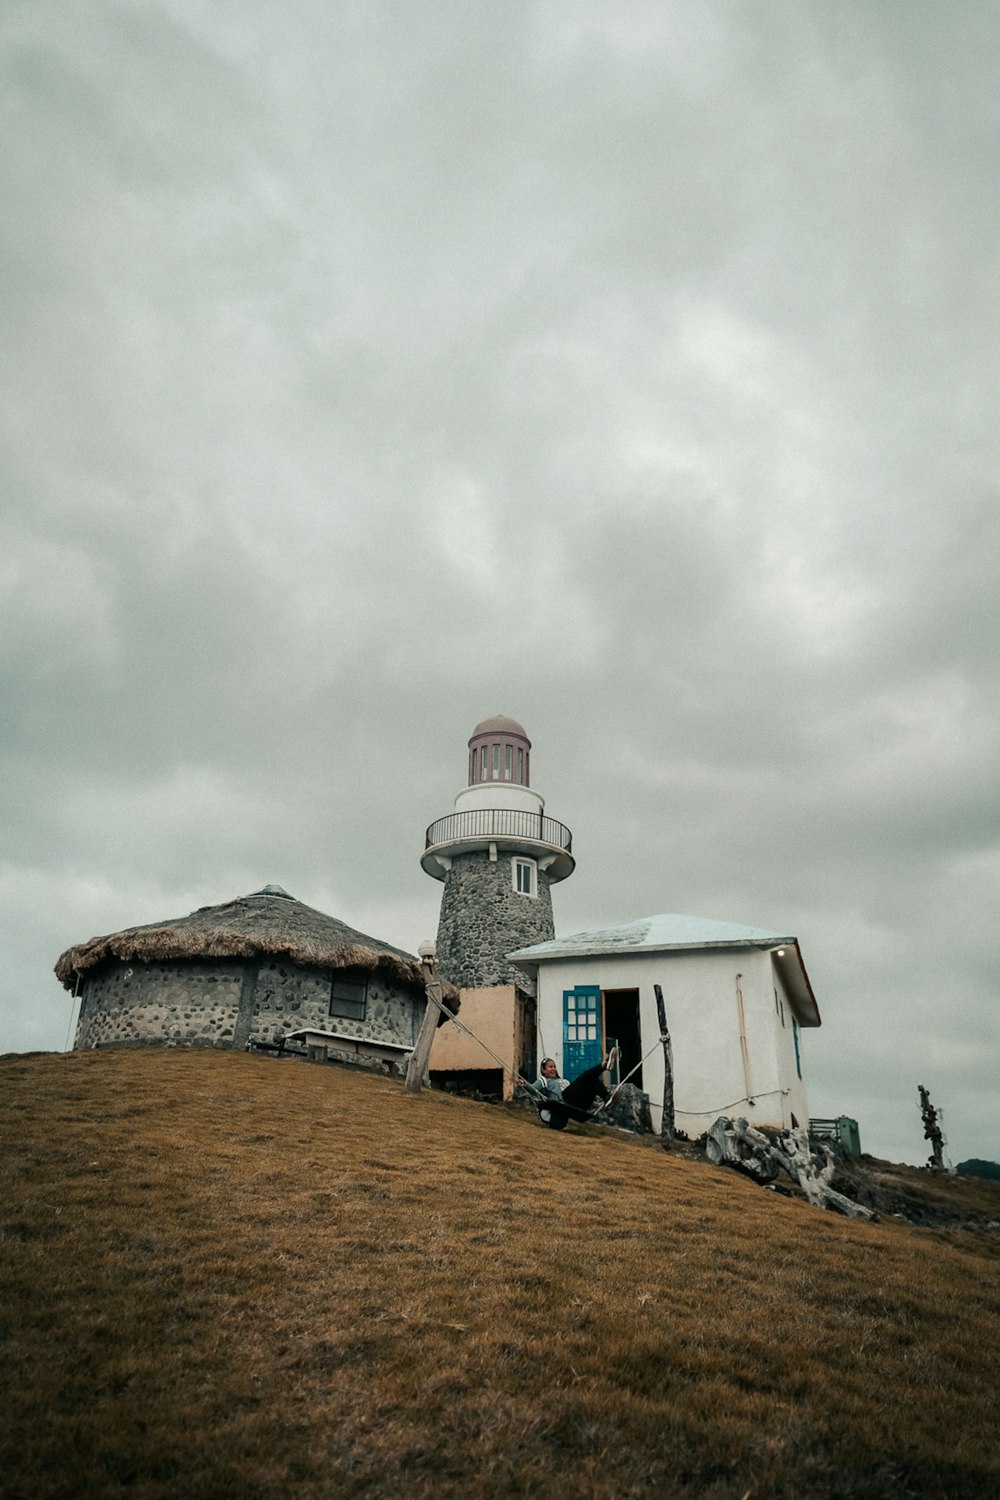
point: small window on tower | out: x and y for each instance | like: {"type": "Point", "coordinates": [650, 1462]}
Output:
{"type": "Point", "coordinates": [520, 766]}
{"type": "Point", "coordinates": [508, 762]}
{"type": "Point", "coordinates": [482, 771]}
{"type": "Point", "coordinates": [525, 873]}
{"type": "Point", "coordinates": [496, 762]}
{"type": "Point", "coordinates": [349, 994]}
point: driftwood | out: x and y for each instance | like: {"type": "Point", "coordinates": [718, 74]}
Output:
{"type": "Point", "coordinates": [735, 1143]}
{"type": "Point", "coordinates": [932, 1130]}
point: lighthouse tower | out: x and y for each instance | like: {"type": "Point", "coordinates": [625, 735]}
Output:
{"type": "Point", "coordinates": [498, 855]}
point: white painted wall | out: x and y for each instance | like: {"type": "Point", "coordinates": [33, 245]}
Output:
{"type": "Point", "coordinates": [505, 794]}
{"type": "Point", "coordinates": [699, 988]}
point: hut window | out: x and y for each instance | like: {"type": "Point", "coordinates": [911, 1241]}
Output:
{"type": "Point", "coordinates": [349, 994]}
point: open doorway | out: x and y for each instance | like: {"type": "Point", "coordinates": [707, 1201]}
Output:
{"type": "Point", "coordinates": [621, 1025]}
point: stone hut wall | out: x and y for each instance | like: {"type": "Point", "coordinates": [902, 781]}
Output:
{"type": "Point", "coordinates": [194, 1002]}
{"type": "Point", "coordinates": [288, 997]}
{"type": "Point", "coordinates": [222, 1002]}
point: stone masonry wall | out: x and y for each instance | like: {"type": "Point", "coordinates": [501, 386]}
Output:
{"type": "Point", "coordinates": [225, 1002]}
{"type": "Point", "coordinates": [160, 1002]}
{"type": "Point", "coordinates": [483, 918]}
{"type": "Point", "coordinates": [289, 997]}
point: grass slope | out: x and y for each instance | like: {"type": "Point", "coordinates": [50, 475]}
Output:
{"type": "Point", "coordinates": [228, 1275]}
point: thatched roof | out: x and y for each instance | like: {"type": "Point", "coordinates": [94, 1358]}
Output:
{"type": "Point", "coordinates": [266, 924]}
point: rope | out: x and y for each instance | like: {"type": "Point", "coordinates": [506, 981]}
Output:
{"type": "Point", "coordinates": [505, 1066]}
{"type": "Point", "coordinates": [72, 1008]}
{"type": "Point", "coordinates": [542, 1098]}
{"type": "Point", "coordinates": [541, 1039]}
{"type": "Point", "coordinates": [603, 1104]}
{"type": "Point", "coordinates": [721, 1108]}
{"type": "Point", "coordinates": [607, 1103]}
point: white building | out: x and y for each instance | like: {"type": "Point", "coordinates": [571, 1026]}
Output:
{"type": "Point", "coordinates": [736, 1000]}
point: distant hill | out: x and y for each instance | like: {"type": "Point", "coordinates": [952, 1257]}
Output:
{"type": "Point", "coordinates": [976, 1168]}
{"type": "Point", "coordinates": [226, 1274]}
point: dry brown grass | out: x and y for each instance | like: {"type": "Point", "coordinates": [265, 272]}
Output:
{"type": "Point", "coordinates": [229, 1275]}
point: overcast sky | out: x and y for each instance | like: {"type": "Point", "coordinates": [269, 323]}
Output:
{"type": "Point", "coordinates": [372, 368]}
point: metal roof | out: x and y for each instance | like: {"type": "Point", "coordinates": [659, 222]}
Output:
{"type": "Point", "coordinates": [671, 930]}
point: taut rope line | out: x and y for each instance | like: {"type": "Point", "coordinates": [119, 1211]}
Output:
{"type": "Point", "coordinates": [505, 1066]}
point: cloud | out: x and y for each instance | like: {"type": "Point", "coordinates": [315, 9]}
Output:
{"type": "Point", "coordinates": [629, 373]}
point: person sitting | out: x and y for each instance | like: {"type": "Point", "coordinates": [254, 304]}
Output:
{"type": "Point", "coordinates": [548, 1081]}
{"type": "Point", "coordinates": [573, 1101]}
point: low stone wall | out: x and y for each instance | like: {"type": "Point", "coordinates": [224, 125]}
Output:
{"type": "Point", "coordinates": [226, 1002]}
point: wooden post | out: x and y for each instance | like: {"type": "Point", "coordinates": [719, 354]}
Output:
{"type": "Point", "coordinates": [419, 1057]}
{"type": "Point", "coordinates": [667, 1126]}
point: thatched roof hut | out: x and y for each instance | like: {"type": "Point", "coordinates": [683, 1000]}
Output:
{"type": "Point", "coordinates": [261, 969]}
{"type": "Point", "coordinates": [268, 922]}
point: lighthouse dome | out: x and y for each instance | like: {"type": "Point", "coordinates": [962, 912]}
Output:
{"type": "Point", "coordinates": [499, 750]}
{"type": "Point", "coordinates": [499, 724]}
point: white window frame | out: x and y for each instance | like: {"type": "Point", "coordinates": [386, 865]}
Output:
{"type": "Point", "coordinates": [531, 865]}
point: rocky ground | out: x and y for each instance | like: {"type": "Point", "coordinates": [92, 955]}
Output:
{"type": "Point", "coordinates": [935, 1200]}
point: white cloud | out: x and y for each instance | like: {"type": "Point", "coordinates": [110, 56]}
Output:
{"type": "Point", "coordinates": [631, 373]}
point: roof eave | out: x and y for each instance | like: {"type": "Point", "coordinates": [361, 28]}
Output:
{"type": "Point", "coordinates": [804, 1004]}
{"type": "Point", "coordinates": [608, 950]}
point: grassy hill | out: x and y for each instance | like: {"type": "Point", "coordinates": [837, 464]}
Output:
{"type": "Point", "coordinates": [231, 1275]}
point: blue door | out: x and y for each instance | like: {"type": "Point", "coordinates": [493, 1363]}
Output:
{"type": "Point", "coordinates": [583, 1044]}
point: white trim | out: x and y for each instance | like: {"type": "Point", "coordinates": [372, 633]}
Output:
{"type": "Point", "coordinates": [532, 865]}
{"type": "Point", "coordinates": [362, 1045]}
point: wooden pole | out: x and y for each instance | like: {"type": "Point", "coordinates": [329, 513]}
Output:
{"type": "Point", "coordinates": [667, 1126]}
{"type": "Point", "coordinates": [420, 1056]}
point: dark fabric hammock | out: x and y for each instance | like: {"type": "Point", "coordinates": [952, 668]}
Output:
{"type": "Point", "coordinates": [577, 1100]}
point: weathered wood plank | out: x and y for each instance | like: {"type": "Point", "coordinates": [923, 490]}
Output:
{"type": "Point", "coordinates": [668, 1127]}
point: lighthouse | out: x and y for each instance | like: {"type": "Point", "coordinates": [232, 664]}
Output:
{"type": "Point", "coordinates": [498, 854]}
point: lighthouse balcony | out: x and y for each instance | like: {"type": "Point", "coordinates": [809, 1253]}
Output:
{"type": "Point", "coordinates": [511, 829]}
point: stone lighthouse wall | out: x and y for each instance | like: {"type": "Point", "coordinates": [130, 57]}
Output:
{"type": "Point", "coordinates": [483, 918]}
